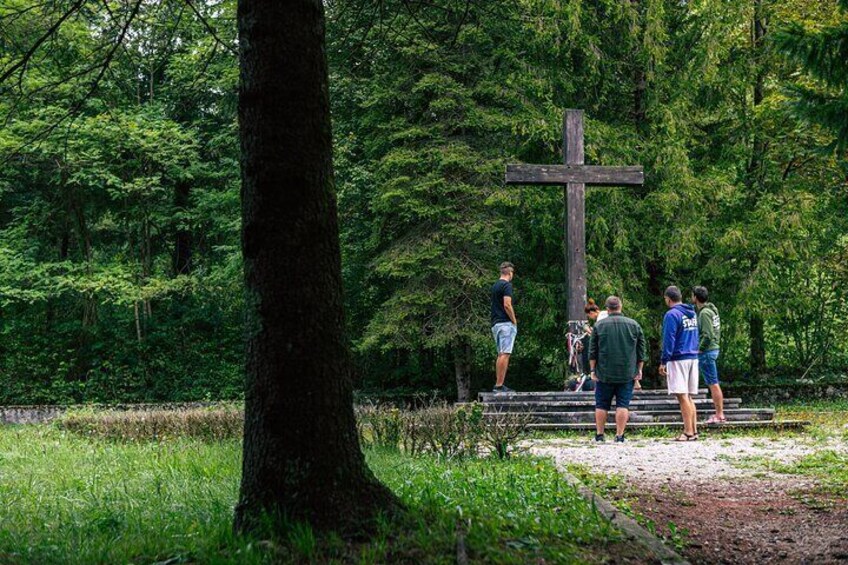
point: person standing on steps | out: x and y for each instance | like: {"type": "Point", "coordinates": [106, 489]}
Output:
{"type": "Point", "coordinates": [504, 324]}
{"type": "Point", "coordinates": [617, 353]}
{"type": "Point", "coordinates": [709, 330]}
{"type": "Point", "coordinates": [679, 360]}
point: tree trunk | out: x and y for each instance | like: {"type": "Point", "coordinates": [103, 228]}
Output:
{"type": "Point", "coordinates": [758, 344]}
{"type": "Point", "coordinates": [183, 240]}
{"type": "Point", "coordinates": [754, 178]}
{"type": "Point", "coordinates": [462, 360]}
{"type": "Point", "coordinates": [302, 458]}
{"type": "Point", "coordinates": [656, 274]}
{"type": "Point", "coordinates": [640, 81]}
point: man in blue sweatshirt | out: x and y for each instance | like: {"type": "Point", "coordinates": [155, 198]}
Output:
{"type": "Point", "coordinates": [679, 360]}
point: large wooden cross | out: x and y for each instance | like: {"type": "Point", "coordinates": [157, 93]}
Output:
{"type": "Point", "coordinates": [574, 175]}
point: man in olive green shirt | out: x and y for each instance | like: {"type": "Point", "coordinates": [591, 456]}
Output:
{"type": "Point", "coordinates": [617, 353]}
{"type": "Point", "coordinates": [709, 331]}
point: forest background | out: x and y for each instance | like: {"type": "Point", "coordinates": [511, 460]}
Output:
{"type": "Point", "coordinates": [120, 262]}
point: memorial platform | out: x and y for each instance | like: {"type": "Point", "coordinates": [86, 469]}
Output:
{"type": "Point", "coordinates": [649, 408]}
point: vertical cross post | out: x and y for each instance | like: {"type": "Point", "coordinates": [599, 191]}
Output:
{"type": "Point", "coordinates": [574, 233]}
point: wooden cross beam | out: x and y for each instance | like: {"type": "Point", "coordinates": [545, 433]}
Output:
{"type": "Point", "coordinates": [574, 176]}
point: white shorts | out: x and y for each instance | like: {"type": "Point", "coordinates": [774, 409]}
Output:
{"type": "Point", "coordinates": [682, 376]}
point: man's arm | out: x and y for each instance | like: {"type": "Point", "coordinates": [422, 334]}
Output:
{"type": "Point", "coordinates": [669, 339]}
{"type": "Point", "coordinates": [641, 352]}
{"type": "Point", "coordinates": [593, 354]}
{"type": "Point", "coordinates": [509, 311]}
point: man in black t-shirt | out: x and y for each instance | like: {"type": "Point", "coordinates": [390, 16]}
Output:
{"type": "Point", "coordinates": [504, 324]}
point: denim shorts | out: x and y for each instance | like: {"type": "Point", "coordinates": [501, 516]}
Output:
{"type": "Point", "coordinates": [708, 366]}
{"type": "Point", "coordinates": [604, 392]}
{"type": "Point", "coordinates": [504, 334]}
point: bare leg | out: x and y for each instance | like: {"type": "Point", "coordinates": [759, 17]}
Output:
{"type": "Point", "coordinates": [683, 399]}
{"type": "Point", "coordinates": [500, 368]}
{"type": "Point", "coordinates": [601, 420]}
{"type": "Point", "coordinates": [718, 400]}
{"type": "Point", "coordinates": [621, 417]}
{"type": "Point", "coordinates": [693, 416]}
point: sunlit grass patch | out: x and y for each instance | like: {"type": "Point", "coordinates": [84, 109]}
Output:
{"type": "Point", "coordinates": [74, 499]}
{"type": "Point", "coordinates": [829, 467]}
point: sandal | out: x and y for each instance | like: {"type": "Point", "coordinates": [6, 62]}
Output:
{"type": "Point", "coordinates": [716, 420]}
{"type": "Point", "coordinates": [686, 437]}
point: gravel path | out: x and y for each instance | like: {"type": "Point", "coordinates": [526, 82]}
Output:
{"type": "Point", "coordinates": [721, 505]}
{"type": "Point", "coordinates": [663, 461]}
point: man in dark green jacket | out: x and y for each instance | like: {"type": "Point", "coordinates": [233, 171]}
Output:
{"type": "Point", "coordinates": [616, 356]}
{"type": "Point", "coordinates": [709, 329]}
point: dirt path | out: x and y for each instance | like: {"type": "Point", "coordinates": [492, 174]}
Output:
{"type": "Point", "coordinates": [750, 520]}
{"type": "Point", "coordinates": [718, 505]}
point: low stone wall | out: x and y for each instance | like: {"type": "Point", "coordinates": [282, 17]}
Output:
{"type": "Point", "coordinates": [770, 394]}
{"type": "Point", "coordinates": [40, 414]}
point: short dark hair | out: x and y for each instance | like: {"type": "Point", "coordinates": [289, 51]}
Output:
{"type": "Point", "coordinates": [613, 303]}
{"type": "Point", "coordinates": [674, 294]}
{"type": "Point", "coordinates": [506, 267]}
{"type": "Point", "coordinates": [701, 294]}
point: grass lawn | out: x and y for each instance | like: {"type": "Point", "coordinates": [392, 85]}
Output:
{"type": "Point", "coordinates": [69, 499]}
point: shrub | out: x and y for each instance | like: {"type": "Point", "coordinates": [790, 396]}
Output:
{"type": "Point", "coordinates": [503, 430]}
{"type": "Point", "coordinates": [441, 429]}
{"type": "Point", "coordinates": [212, 424]}
{"type": "Point", "coordinates": [379, 425]}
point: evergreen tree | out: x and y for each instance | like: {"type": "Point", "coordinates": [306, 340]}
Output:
{"type": "Point", "coordinates": [822, 51]}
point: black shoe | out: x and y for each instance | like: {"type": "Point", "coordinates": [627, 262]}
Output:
{"type": "Point", "coordinates": [619, 439]}
{"type": "Point", "coordinates": [599, 437]}
{"type": "Point", "coordinates": [503, 388]}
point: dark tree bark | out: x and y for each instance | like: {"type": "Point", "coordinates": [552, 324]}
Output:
{"type": "Point", "coordinates": [656, 275]}
{"type": "Point", "coordinates": [757, 335]}
{"type": "Point", "coordinates": [462, 361]}
{"type": "Point", "coordinates": [302, 458]}
{"type": "Point", "coordinates": [183, 239]}
{"type": "Point", "coordinates": [640, 81]}
{"type": "Point", "coordinates": [754, 180]}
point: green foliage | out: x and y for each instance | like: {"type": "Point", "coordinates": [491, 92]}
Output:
{"type": "Point", "coordinates": [120, 268]}
{"type": "Point", "coordinates": [822, 52]}
{"type": "Point", "coordinates": [754, 220]}
{"type": "Point", "coordinates": [102, 196]}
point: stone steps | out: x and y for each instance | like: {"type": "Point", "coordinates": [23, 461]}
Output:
{"type": "Point", "coordinates": [663, 416]}
{"type": "Point", "coordinates": [589, 405]}
{"type": "Point", "coordinates": [488, 397]}
{"type": "Point", "coordinates": [762, 424]}
{"type": "Point", "coordinates": [649, 408]}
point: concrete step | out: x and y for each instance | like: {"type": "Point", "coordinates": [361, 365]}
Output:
{"type": "Point", "coordinates": [562, 395]}
{"type": "Point", "coordinates": [760, 424]}
{"type": "Point", "coordinates": [586, 405]}
{"type": "Point", "coordinates": [756, 415]}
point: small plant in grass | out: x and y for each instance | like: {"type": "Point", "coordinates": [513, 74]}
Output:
{"type": "Point", "coordinates": [677, 536]}
{"type": "Point", "coordinates": [380, 425]}
{"type": "Point", "coordinates": [302, 541]}
{"type": "Point", "coordinates": [502, 431]}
